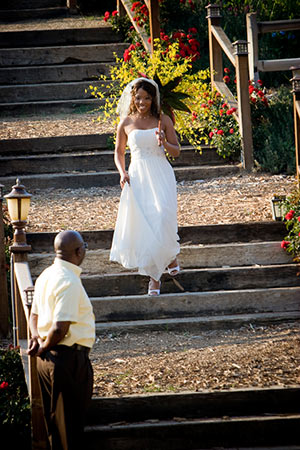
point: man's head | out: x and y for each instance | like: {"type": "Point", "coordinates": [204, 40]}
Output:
{"type": "Point", "coordinates": [70, 246]}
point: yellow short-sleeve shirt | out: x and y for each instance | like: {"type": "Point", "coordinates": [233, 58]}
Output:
{"type": "Point", "coordinates": [59, 296]}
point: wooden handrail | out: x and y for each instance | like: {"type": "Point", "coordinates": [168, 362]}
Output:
{"type": "Point", "coordinates": [153, 8]}
{"type": "Point", "coordinates": [278, 25]}
{"type": "Point", "coordinates": [253, 29]}
{"type": "Point", "coordinates": [218, 42]}
{"type": "Point", "coordinates": [224, 42]}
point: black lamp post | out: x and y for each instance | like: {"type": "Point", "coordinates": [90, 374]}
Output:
{"type": "Point", "coordinates": [18, 203]}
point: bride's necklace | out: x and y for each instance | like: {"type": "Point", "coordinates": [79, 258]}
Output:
{"type": "Point", "coordinates": [143, 117]}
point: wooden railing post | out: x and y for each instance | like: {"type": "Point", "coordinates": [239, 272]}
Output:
{"type": "Point", "coordinates": [296, 94]}
{"type": "Point", "coordinates": [72, 6]}
{"type": "Point", "coordinates": [4, 309]}
{"type": "Point", "coordinates": [154, 21]}
{"type": "Point", "coordinates": [215, 51]}
{"type": "Point", "coordinates": [252, 37]}
{"type": "Point", "coordinates": [242, 86]}
{"type": "Point", "coordinates": [120, 8]}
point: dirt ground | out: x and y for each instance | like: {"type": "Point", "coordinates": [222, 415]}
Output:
{"type": "Point", "coordinates": [148, 362]}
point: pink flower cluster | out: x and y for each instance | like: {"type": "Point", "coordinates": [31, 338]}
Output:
{"type": "Point", "coordinates": [256, 94]}
{"type": "Point", "coordinates": [127, 55]}
{"type": "Point", "coordinates": [141, 13]}
{"type": "Point", "coordinates": [4, 385]}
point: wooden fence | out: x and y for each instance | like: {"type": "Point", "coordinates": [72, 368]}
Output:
{"type": "Point", "coordinates": [237, 53]}
{"type": "Point", "coordinates": [255, 28]}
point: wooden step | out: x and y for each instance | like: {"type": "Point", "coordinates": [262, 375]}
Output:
{"type": "Point", "coordinates": [17, 15]}
{"type": "Point", "coordinates": [50, 91]}
{"type": "Point", "coordinates": [196, 324]}
{"type": "Point", "coordinates": [197, 304]}
{"type": "Point", "coordinates": [53, 74]}
{"type": "Point", "coordinates": [209, 404]}
{"type": "Point", "coordinates": [76, 106]}
{"type": "Point", "coordinates": [112, 178]}
{"type": "Point", "coordinates": [189, 235]}
{"type": "Point", "coordinates": [68, 36]}
{"type": "Point", "coordinates": [68, 54]}
{"type": "Point", "coordinates": [54, 144]}
{"type": "Point", "coordinates": [196, 280]}
{"type": "Point", "coordinates": [191, 256]}
{"type": "Point", "coordinates": [196, 433]}
{"type": "Point", "coordinates": [88, 160]}
{"type": "Point", "coordinates": [31, 4]}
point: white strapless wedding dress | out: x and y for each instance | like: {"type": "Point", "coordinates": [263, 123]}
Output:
{"type": "Point", "coordinates": [145, 234]}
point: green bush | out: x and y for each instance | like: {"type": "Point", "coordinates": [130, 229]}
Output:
{"type": "Point", "coordinates": [14, 401]}
{"type": "Point", "coordinates": [273, 134]}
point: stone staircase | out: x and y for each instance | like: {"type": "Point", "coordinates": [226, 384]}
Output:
{"type": "Point", "coordinates": [48, 71]}
{"type": "Point", "coordinates": [232, 275]}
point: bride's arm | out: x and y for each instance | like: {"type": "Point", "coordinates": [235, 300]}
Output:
{"type": "Point", "coordinates": [168, 136]}
{"type": "Point", "coordinates": [119, 157]}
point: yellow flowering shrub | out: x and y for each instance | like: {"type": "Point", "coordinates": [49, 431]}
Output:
{"type": "Point", "coordinates": [167, 65]}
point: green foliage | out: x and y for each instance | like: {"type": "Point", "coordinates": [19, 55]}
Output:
{"type": "Point", "coordinates": [291, 211]}
{"type": "Point", "coordinates": [273, 135]}
{"type": "Point", "coordinates": [14, 401]}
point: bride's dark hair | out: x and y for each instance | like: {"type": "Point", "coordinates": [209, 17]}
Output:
{"type": "Point", "coordinates": [151, 90]}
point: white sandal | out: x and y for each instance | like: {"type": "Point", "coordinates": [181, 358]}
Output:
{"type": "Point", "coordinates": [173, 271]}
{"type": "Point", "coordinates": [154, 292]}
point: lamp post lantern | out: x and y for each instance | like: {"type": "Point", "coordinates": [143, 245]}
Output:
{"type": "Point", "coordinates": [18, 203]}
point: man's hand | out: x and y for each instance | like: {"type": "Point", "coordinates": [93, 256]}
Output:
{"type": "Point", "coordinates": [33, 346]}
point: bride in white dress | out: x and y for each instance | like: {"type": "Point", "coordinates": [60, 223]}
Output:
{"type": "Point", "coordinates": [145, 235]}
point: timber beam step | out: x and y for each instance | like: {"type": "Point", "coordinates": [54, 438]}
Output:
{"type": "Point", "coordinates": [16, 15]}
{"type": "Point", "coordinates": [223, 322]}
{"type": "Point", "coordinates": [196, 280]}
{"type": "Point", "coordinates": [112, 178]}
{"type": "Point", "coordinates": [189, 235]}
{"type": "Point", "coordinates": [69, 36]}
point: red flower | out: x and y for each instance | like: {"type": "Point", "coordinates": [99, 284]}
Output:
{"type": "Point", "coordinates": [182, 1]}
{"type": "Point", "coordinates": [131, 47]}
{"type": "Point", "coordinates": [126, 55]}
{"type": "Point", "coordinates": [299, 219]}
{"type": "Point", "coordinates": [211, 134]}
{"type": "Point", "coordinates": [182, 53]}
{"type": "Point", "coordinates": [220, 132]}
{"type": "Point", "coordinates": [226, 79]}
{"type": "Point", "coordinates": [141, 74]}
{"type": "Point", "coordinates": [193, 30]}
{"type": "Point", "coordinates": [231, 131]}
{"type": "Point", "coordinates": [224, 105]}
{"type": "Point", "coordinates": [138, 44]}
{"type": "Point", "coordinates": [176, 35]}
{"type": "Point", "coordinates": [210, 102]}
{"type": "Point", "coordinates": [194, 42]}
{"type": "Point", "coordinates": [284, 244]}
{"type": "Point", "coordinates": [226, 70]}
{"type": "Point", "coordinates": [135, 5]}
{"type": "Point", "coordinates": [221, 112]}
{"type": "Point", "coordinates": [260, 94]}
{"type": "Point", "coordinates": [4, 385]}
{"type": "Point", "coordinates": [114, 13]}
{"type": "Point", "coordinates": [106, 16]}
{"type": "Point", "coordinates": [290, 215]}
{"type": "Point", "coordinates": [253, 99]}
{"type": "Point", "coordinates": [194, 115]}
{"type": "Point", "coordinates": [260, 82]}
{"type": "Point", "coordinates": [149, 40]}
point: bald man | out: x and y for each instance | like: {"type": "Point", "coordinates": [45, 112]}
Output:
{"type": "Point", "coordinates": [62, 326]}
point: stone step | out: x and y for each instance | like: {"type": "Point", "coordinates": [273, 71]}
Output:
{"type": "Point", "coordinates": [196, 280]}
{"type": "Point", "coordinates": [49, 37]}
{"type": "Point", "coordinates": [196, 324]}
{"type": "Point", "coordinates": [49, 91]}
{"type": "Point", "coordinates": [88, 160]}
{"type": "Point", "coordinates": [17, 15]}
{"type": "Point", "coordinates": [53, 74]}
{"type": "Point", "coordinates": [68, 54]}
{"type": "Point", "coordinates": [196, 433]}
{"type": "Point", "coordinates": [251, 232]}
{"type": "Point", "coordinates": [54, 144]}
{"type": "Point", "coordinates": [191, 256]}
{"type": "Point", "coordinates": [196, 304]}
{"type": "Point", "coordinates": [112, 178]}
{"type": "Point", "coordinates": [32, 4]}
